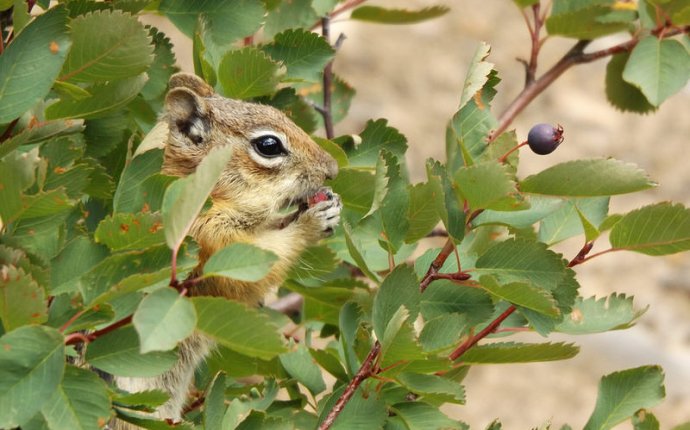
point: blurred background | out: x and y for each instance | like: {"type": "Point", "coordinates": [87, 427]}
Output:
{"type": "Point", "coordinates": [413, 75]}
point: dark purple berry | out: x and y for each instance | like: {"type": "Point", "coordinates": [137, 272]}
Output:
{"type": "Point", "coordinates": [544, 138]}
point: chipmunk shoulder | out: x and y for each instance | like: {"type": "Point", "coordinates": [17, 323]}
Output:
{"type": "Point", "coordinates": [275, 166]}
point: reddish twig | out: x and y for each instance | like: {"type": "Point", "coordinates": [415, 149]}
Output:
{"type": "Point", "coordinates": [436, 265]}
{"type": "Point", "coordinates": [584, 259]}
{"type": "Point", "coordinates": [575, 55]}
{"type": "Point", "coordinates": [471, 341]}
{"type": "Point", "coordinates": [365, 371]}
{"type": "Point", "coordinates": [580, 257]}
{"type": "Point", "coordinates": [74, 338]}
{"type": "Point", "coordinates": [350, 4]}
{"type": "Point", "coordinates": [69, 322]}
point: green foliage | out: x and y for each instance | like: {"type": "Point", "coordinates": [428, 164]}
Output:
{"type": "Point", "coordinates": [93, 236]}
{"type": "Point", "coordinates": [621, 394]}
{"type": "Point", "coordinates": [396, 16]}
{"type": "Point", "coordinates": [22, 83]}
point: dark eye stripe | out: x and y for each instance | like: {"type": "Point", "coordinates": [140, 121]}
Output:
{"type": "Point", "coordinates": [268, 146]}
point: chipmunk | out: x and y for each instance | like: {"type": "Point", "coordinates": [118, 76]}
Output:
{"type": "Point", "coordinates": [274, 165]}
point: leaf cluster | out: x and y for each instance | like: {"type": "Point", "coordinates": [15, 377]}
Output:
{"type": "Point", "coordinates": [96, 263]}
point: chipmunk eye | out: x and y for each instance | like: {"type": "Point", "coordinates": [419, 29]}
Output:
{"type": "Point", "coordinates": [268, 146]}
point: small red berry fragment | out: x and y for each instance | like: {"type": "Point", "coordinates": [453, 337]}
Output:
{"type": "Point", "coordinates": [544, 138]}
{"type": "Point", "coordinates": [319, 196]}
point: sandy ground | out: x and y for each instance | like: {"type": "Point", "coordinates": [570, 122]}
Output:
{"type": "Point", "coordinates": [413, 75]}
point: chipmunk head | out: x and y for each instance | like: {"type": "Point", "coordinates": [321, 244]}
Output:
{"type": "Point", "coordinates": [274, 163]}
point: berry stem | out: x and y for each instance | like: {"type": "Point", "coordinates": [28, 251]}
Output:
{"type": "Point", "coordinates": [504, 157]}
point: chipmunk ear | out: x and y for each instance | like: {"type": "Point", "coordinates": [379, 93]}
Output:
{"type": "Point", "coordinates": [193, 82]}
{"type": "Point", "coordinates": [187, 114]}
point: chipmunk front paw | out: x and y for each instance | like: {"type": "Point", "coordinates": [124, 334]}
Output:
{"type": "Point", "coordinates": [325, 207]}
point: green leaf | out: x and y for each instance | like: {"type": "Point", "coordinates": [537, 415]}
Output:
{"type": "Point", "coordinates": [163, 319]}
{"type": "Point", "coordinates": [622, 393]}
{"type": "Point", "coordinates": [377, 135]}
{"type": "Point", "coordinates": [214, 405]}
{"type": "Point", "coordinates": [354, 196]}
{"type": "Point", "coordinates": [486, 186]}
{"type": "Point", "coordinates": [644, 420]}
{"type": "Point", "coordinates": [300, 365]}
{"type": "Point", "coordinates": [105, 98]}
{"type": "Point", "coordinates": [525, 3]}
{"type": "Point", "coordinates": [149, 398]}
{"type": "Point", "coordinates": [292, 14]}
{"type": "Point", "coordinates": [622, 95]}
{"type": "Point", "coordinates": [421, 416]}
{"type": "Point", "coordinates": [162, 67]}
{"type": "Point", "coordinates": [240, 261]}
{"type": "Point", "coordinates": [615, 312]}
{"type": "Point", "coordinates": [105, 276]}
{"type": "Point", "coordinates": [391, 201]}
{"type": "Point", "coordinates": [239, 365]}
{"type": "Point", "coordinates": [567, 221]}
{"type": "Point", "coordinates": [540, 207]}
{"type": "Point", "coordinates": [22, 300]}
{"type": "Point", "coordinates": [421, 213]}
{"type": "Point", "coordinates": [108, 45]}
{"type": "Point", "coordinates": [588, 178]}
{"type": "Point", "coordinates": [225, 22]}
{"type": "Point", "coordinates": [356, 254]}
{"type": "Point", "coordinates": [442, 332]}
{"type": "Point", "coordinates": [322, 303]}
{"type": "Point", "coordinates": [329, 361]}
{"type": "Point", "coordinates": [33, 60]}
{"type": "Point", "coordinates": [17, 173]}
{"type": "Point", "coordinates": [32, 363]}
{"type": "Point", "coordinates": [302, 52]}
{"type": "Point", "coordinates": [185, 197]}
{"type": "Point", "coordinates": [135, 189]}
{"type": "Point", "coordinates": [362, 412]}
{"type": "Point", "coordinates": [445, 201]}
{"type": "Point", "coordinates": [523, 295]}
{"type": "Point", "coordinates": [118, 353]}
{"type": "Point", "coordinates": [445, 297]}
{"type": "Point", "coordinates": [512, 352]}
{"type": "Point", "coordinates": [398, 342]}
{"type": "Point", "coordinates": [237, 327]}
{"type": "Point", "coordinates": [659, 68]}
{"type": "Point", "coordinates": [77, 257]}
{"type": "Point", "coordinates": [467, 132]}
{"type": "Point", "coordinates": [124, 231]}
{"type": "Point", "coordinates": [477, 73]}
{"type": "Point", "coordinates": [45, 203]}
{"type": "Point", "coordinates": [582, 20]}
{"type": "Point", "coordinates": [397, 16]}
{"type": "Point", "coordinates": [660, 229]}
{"type": "Point", "coordinates": [80, 402]}
{"type": "Point", "coordinates": [433, 386]}
{"type": "Point", "coordinates": [523, 261]}
{"type": "Point", "coordinates": [247, 73]}
{"type": "Point", "coordinates": [400, 288]}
